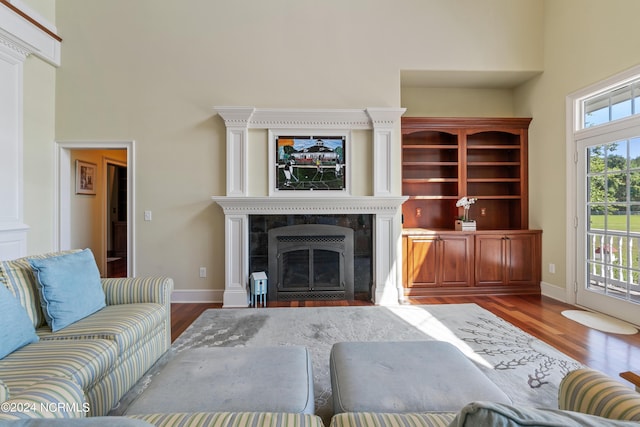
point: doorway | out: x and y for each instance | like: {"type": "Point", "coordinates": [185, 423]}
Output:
{"type": "Point", "coordinates": [609, 221]}
{"type": "Point", "coordinates": [66, 200]}
{"type": "Point", "coordinates": [115, 178]}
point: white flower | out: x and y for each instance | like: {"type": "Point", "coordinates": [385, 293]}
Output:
{"type": "Point", "coordinates": [465, 202]}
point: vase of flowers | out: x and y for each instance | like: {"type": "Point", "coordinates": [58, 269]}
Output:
{"type": "Point", "coordinates": [464, 223]}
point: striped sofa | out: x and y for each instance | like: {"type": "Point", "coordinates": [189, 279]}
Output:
{"type": "Point", "coordinates": [586, 398]}
{"type": "Point", "coordinates": [92, 363]}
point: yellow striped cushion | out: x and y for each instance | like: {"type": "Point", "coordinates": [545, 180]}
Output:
{"type": "Point", "coordinates": [105, 394]}
{"type": "Point", "coordinates": [52, 398]}
{"type": "Point", "coordinates": [126, 324]}
{"type": "Point", "coordinates": [18, 276]}
{"type": "Point", "coordinates": [139, 289]}
{"type": "Point", "coordinates": [86, 362]}
{"type": "Point", "coordinates": [231, 419]}
{"type": "Point", "coordinates": [374, 419]}
{"type": "Point", "coordinates": [592, 392]}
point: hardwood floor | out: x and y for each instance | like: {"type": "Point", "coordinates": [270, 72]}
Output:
{"type": "Point", "coordinates": [538, 315]}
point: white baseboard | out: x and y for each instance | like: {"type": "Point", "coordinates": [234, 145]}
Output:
{"type": "Point", "coordinates": [553, 291]}
{"type": "Point", "coordinates": [197, 295]}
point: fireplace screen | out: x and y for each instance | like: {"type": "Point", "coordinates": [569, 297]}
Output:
{"type": "Point", "coordinates": [310, 269]}
{"type": "Point", "coordinates": [311, 261]}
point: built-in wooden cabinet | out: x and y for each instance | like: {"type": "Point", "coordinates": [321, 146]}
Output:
{"type": "Point", "coordinates": [444, 159]}
{"type": "Point", "coordinates": [508, 259]}
{"type": "Point", "coordinates": [439, 260]}
{"type": "Point", "coordinates": [440, 263]}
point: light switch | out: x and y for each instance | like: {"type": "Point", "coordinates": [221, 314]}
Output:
{"type": "Point", "coordinates": [147, 215]}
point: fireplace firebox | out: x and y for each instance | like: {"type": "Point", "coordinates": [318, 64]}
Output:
{"type": "Point", "coordinates": [311, 261]}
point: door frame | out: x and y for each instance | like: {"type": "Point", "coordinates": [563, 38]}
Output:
{"type": "Point", "coordinates": [63, 188]}
{"type": "Point", "coordinates": [574, 132]}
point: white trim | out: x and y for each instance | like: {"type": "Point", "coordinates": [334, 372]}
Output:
{"type": "Point", "coordinates": [317, 205]}
{"type": "Point", "coordinates": [62, 192]}
{"type": "Point", "coordinates": [553, 291]}
{"type": "Point", "coordinates": [24, 38]}
{"type": "Point", "coordinates": [197, 295]}
{"type": "Point", "coordinates": [13, 230]}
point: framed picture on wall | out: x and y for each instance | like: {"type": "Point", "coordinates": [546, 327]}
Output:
{"type": "Point", "coordinates": [305, 162]}
{"type": "Point", "coordinates": [86, 174]}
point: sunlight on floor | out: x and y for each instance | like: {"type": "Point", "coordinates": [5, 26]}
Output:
{"type": "Point", "coordinates": [421, 319]}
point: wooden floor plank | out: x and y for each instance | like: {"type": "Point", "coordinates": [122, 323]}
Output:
{"type": "Point", "coordinates": [537, 315]}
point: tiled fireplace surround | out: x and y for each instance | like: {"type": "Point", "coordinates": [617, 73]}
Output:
{"type": "Point", "coordinates": [383, 205]}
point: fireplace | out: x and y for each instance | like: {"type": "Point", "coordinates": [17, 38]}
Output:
{"type": "Point", "coordinates": [311, 261]}
{"type": "Point", "coordinates": [303, 262]}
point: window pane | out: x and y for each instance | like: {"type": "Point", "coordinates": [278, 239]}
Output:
{"type": "Point", "coordinates": [621, 103]}
{"type": "Point", "coordinates": [596, 189]}
{"type": "Point", "coordinates": [617, 156]}
{"type": "Point", "coordinates": [596, 158]}
{"type": "Point", "coordinates": [615, 104]}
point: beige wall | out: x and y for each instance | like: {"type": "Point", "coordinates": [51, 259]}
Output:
{"type": "Point", "coordinates": [457, 102]}
{"type": "Point", "coordinates": [585, 41]}
{"type": "Point", "coordinates": [152, 71]}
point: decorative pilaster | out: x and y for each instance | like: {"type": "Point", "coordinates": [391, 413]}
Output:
{"type": "Point", "coordinates": [236, 120]}
{"type": "Point", "coordinates": [236, 255]}
{"type": "Point", "coordinates": [383, 121]}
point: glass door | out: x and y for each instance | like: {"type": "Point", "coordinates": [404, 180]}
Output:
{"type": "Point", "coordinates": [609, 223]}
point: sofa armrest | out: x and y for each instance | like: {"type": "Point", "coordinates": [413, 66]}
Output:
{"type": "Point", "coordinates": [592, 392]}
{"type": "Point", "coordinates": [132, 290]}
{"type": "Point", "coordinates": [52, 398]}
{"type": "Point", "coordinates": [4, 391]}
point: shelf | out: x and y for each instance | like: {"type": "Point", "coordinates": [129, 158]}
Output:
{"type": "Point", "coordinates": [492, 147]}
{"type": "Point", "coordinates": [433, 197]}
{"type": "Point", "coordinates": [493, 179]}
{"type": "Point", "coordinates": [430, 146]}
{"type": "Point", "coordinates": [432, 180]}
{"type": "Point", "coordinates": [470, 164]}
{"type": "Point", "coordinates": [429, 163]}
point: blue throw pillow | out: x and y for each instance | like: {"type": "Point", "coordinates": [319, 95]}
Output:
{"type": "Point", "coordinates": [70, 287]}
{"type": "Point", "coordinates": [16, 328]}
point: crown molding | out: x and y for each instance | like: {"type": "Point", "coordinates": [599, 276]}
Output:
{"type": "Point", "coordinates": [309, 205]}
{"type": "Point", "coordinates": [297, 118]}
{"type": "Point", "coordinates": [22, 37]}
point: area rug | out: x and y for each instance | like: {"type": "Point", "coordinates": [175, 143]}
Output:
{"type": "Point", "coordinates": [600, 321]}
{"type": "Point", "coordinates": [527, 369]}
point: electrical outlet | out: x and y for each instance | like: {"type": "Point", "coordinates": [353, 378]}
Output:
{"type": "Point", "coordinates": [552, 268]}
{"type": "Point", "coordinates": [147, 215]}
{"type": "Point", "coordinates": [203, 272]}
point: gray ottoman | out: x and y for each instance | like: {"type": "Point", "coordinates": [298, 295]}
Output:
{"type": "Point", "coordinates": [409, 376]}
{"type": "Point", "coordinates": [255, 379]}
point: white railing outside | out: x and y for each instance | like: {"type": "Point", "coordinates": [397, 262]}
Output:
{"type": "Point", "coordinates": [614, 262]}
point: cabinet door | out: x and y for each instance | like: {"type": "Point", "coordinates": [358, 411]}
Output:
{"type": "Point", "coordinates": [522, 258]}
{"type": "Point", "coordinates": [422, 261]}
{"type": "Point", "coordinates": [456, 260]}
{"type": "Point", "coordinates": [490, 260]}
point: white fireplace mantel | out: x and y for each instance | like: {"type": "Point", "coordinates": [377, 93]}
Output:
{"type": "Point", "coordinates": [309, 205]}
{"type": "Point", "coordinates": [383, 204]}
